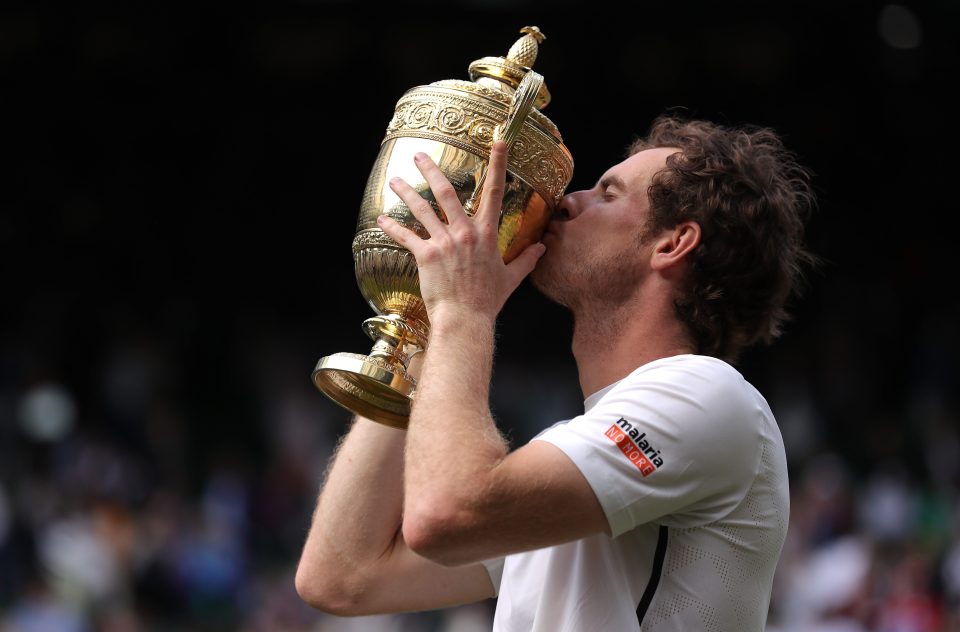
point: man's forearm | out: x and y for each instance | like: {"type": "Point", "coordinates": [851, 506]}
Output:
{"type": "Point", "coordinates": [357, 517]}
{"type": "Point", "coordinates": [453, 443]}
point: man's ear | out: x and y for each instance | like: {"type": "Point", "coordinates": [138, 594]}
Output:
{"type": "Point", "coordinates": [673, 246]}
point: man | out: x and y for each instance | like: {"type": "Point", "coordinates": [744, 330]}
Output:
{"type": "Point", "coordinates": [665, 505]}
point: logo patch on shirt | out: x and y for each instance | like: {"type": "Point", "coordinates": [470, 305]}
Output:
{"type": "Point", "coordinates": [635, 446]}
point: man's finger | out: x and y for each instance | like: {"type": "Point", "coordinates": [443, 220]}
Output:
{"type": "Point", "coordinates": [443, 191]}
{"type": "Point", "coordinates": [400, 234]}
{"type": "Point", "coordinates": [420, 208]}
{"type": "Point", "coordinates": [491, 200]}
{"type": "Point", "coordinates": [526, 261]}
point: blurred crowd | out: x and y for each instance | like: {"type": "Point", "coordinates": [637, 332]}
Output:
{"type": "Point", "coordinates": [126, 507]}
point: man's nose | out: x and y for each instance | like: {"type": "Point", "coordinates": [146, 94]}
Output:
{"type": "Point", "coordinates": [568, 207]}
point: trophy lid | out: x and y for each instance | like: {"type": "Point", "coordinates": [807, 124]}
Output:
{"type": "Point", "coordinates": [468, 114]}
{"type": "Point", "coordinates": [509, 70]}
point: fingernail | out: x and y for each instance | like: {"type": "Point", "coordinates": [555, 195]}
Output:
{"type": "Point", "coordinates": [381, 218]}
{"type": "Point", "coordinates": [419, 156]}
{"type": "Point", "coordinates": [541, 249]}
{"type": "Point", "coordinates": [395, 180]}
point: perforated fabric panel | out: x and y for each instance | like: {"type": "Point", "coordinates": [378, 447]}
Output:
{"type": "Point", "coordinates": [718, 577]}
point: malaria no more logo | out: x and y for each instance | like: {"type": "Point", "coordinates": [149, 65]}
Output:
{"type": "Point", "coordinates": [635, 446]}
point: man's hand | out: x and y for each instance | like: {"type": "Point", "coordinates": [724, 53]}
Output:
{"type": "Point", "coordinates": [465, 498]}
{"type": "Point", "coordinates": [461, 269]}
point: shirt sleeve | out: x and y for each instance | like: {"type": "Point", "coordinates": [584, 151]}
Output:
{"type": "Point", "coordinates": [677, 443]}
{"type": "Point", "coordinates": [495, 570]}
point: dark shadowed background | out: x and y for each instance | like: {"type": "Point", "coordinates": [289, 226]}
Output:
{"type": "Point", "coordinates": [180, 193]}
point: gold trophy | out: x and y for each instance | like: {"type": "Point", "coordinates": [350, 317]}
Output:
{"type": "Point", "coordinates": [455, 123]}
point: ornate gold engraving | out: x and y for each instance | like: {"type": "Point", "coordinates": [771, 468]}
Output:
{"type": "Point", "coordinates": [446, 115]}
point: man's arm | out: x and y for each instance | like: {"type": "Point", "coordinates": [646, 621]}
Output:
{"type": "Point", "coordinates": [355, 560]}
{"type": "Point", "coordinates": [466, 498]}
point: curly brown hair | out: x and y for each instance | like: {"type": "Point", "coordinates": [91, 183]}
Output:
{"type": "Point", "coordinates": [751, 199]}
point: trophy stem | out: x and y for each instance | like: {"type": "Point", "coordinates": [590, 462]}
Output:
{"type": "Point", "coordinates": [400, 337]}
{"type": "Point", "coordinates": [376, 386]}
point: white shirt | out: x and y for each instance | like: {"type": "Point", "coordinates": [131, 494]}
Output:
{"type": "Point", "coordinates": [688, 464]}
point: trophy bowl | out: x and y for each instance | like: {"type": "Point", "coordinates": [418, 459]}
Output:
{"type": "Point", "coordinates": [455, 123]}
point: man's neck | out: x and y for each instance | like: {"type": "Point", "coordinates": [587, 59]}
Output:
{"type": "Point", "coordinates": [610, 343]}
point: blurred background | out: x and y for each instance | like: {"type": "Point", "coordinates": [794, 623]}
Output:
{"type": "Point", "coordinates": [179, 199]}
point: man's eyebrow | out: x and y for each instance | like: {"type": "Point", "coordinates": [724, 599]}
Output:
{"type": "Point", "coordinates": [613, 181]}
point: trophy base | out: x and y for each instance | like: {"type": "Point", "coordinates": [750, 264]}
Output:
{"type": "Point", "coordinates": [367, 386]}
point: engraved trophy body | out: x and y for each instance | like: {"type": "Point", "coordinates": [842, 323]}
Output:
{"type": "Point", "coordinates": [455, 123]}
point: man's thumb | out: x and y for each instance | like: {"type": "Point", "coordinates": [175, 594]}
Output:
{"type": "Point", "coordinates": [526, 262]}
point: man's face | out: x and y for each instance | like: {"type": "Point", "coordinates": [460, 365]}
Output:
{"type": "Point", "coordinates": [596, 249]}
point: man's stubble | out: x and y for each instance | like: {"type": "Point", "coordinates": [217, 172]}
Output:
{"type": "Point", "coordinates": [584, 279]}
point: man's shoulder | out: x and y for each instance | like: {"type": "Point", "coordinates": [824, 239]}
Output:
{"type": "Point", "coordinates": [701, 377]}
{"type": "Point", "coordinates": [699, 392]}
{"type": "Point", "coordinates": [690, 364]}
{"type": "Point", "coordinates": [701, 398]}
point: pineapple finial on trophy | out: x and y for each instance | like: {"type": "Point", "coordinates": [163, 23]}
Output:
{"type": "Point", "coordinates": [504, 74]}
{"type": "Point", "coordinates": [524, 50]}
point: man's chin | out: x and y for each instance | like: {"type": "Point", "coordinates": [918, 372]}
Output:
{"type": "Point", "coordinates": [546, 280]}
